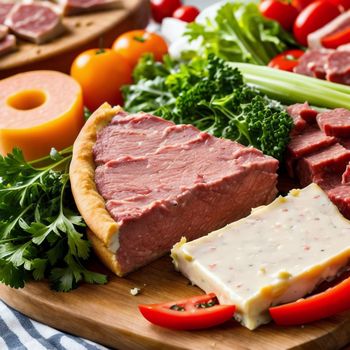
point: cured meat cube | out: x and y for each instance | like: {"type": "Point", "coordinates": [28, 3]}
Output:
{"type": "Point", "coordinates": [5, 8]}
{"type": "Point", "coordinates": [294, 112]}
{"type": "Point", "coordinates": [311, 140]}
{"type": "Point", "coordinates": [338, 67]}
{"type": "Point", "coordinates": [304, 111]}
{"type": "Point", "coordinates": [36, 22]}
{"type": "Point", "coordinates": [335, 122]}
{"type": "Point", "coordinates": [7, 45]}
{"type": "Point", "coordinates": [73, 7]}
{"type": "Point", "coordinates": [340, 196]}
{"type": "Point", "coordinates": [312, 63]}
{"type": "Point", "coordinates": [345, 180]}
{"type": "Point", "coordinates": [3, 32]}
{"type": "Point", "coordinates": [333, 159]}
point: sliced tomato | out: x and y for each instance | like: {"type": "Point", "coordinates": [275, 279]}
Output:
{"type": "Point", "coordinates": [328, 303]}
{"type": "Point", "coordinates": [313, 17]}
{"type": "Point", "coordinates": [286, 60]}
{"type": "Point", "coordinates": [194, 313]}
{"type": "Point", "coordinates": [281, 11]}
{"type": "Point", "coordinates": [337, 39]}
{"type": "Point", "coordinates": [186, 13]}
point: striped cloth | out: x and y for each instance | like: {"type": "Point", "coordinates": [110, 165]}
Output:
{"type": "Point", "coordinates": [17, 332]}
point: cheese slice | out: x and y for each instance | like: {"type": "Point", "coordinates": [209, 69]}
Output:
{"type": "Point", "coordinates": [278, 254]}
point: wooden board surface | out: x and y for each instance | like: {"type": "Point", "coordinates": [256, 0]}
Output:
{"type": "Point", "coordinates": [83, 31]}
{"type": "Point", "coordinates": [108, 315]}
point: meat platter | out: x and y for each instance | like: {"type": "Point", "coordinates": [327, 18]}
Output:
{"type": "Point", "coordinates": [207, 163]}
{"type": "Point", "coordinates": [83, 31]}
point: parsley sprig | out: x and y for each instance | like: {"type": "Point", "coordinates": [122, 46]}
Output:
{"type": "Point", "coordinates": [41, 232]}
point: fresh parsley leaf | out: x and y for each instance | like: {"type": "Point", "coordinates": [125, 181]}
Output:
{"type": "Point", "coordinates": [41, 232]}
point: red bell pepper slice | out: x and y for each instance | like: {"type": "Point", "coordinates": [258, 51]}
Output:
{"type": "Point", "coordinates": [328, 303]}
{"type": "Point", "coordinates": [194, 313]}
{"type": "Point", "coordinates": [334, 40]}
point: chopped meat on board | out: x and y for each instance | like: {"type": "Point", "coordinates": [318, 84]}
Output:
{"type": "Point", "coordinates": [73, 7]}
{"type": "Point", "coordinates": [36, 22]}
{"type": "Point", "coordinates": [8, 44]}
{"type": "Point", "coordinates": [155, 191]}
{"type": "Point", "coordinates": [5, 8]}
{"type": "Point", "coordinates": [335, 122]}
{"type": "Point", "coordinates": [338, 67]}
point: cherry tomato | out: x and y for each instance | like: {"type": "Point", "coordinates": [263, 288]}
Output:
{"type": "Point", "coordinates": [328, 303]}
{"type": "Point", "coordinates": [280, 11]}
{"type": "Point", "coordinates": [313, 17]}
{"type": "Point", "coordinates": [186, 13]}
{"type": "Point", "coordinates": [334, 40]}
{"type": "Point", "coordinates": [301, 4]}
{"type": "Point", "coordinates": [101, 73]}
{"type": "Point", "coordinates": [132, 45]}
{"type": "Point", "coordinates": [195, 313]}
{"type": "Point", "coordinates": [163, 8]}
{"type": "Point", "coordinates": [344, 4]}
{"type": "Point", "coordinates": [286, 60]}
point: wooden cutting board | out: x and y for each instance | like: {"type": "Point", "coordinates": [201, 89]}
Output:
{"type": "Point", "coordinates": [83, 32]}
{"type": "Point", "coordinates": [108, 315]}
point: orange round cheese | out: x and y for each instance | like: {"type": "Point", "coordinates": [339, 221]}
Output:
{"type": "Point", "coordinates": [39, 110]}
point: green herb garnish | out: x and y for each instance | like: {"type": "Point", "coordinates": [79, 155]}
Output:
{"type": "Point", "coordinates": [41, 232]}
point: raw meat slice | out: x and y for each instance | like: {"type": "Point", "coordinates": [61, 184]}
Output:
{"type": "Point", "coordinates": [74, 7]}
{"type": "Point", "coordinates": [294, 112]}
{"type": "Point", "coordinates": [36, 22]}
{"type": "Point", "coordinates": [3, 31]}
{"type": "Point", "coordinates": [8, 44]}
{"type": "Point", "coordinates": [335, 122]}
{"type": "Point", "coordinates": [340, 196]}
{"type": "Point", "coordinates": [338, 24]}
{"type": "Point", "coordinates": [311, 140]}
{"type": "Point", "coordinates": [333, 159]}
{"type": "Point", "coordinates": [338, 67]}
{"type": "Point", "coordinates": [5, 8]}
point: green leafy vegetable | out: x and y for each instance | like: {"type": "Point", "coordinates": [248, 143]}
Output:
{"type": "Point", "coordinates": [211, 95]}
{"type": "Point", "coordinates": [41, 233]}
{"type": "Point", "coordinates": [240, 33]}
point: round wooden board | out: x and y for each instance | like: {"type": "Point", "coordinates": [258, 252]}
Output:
{"type": "Point", "coordinates": [83, 32]}
{"type": "Point", "coordinates": [109, 315]}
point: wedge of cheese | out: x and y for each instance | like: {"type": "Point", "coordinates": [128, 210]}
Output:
{"type": "Point", "coordinates": [278, 254]}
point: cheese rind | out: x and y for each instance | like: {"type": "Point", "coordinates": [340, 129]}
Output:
{"type": "Point", "coordinates": [278, 254]}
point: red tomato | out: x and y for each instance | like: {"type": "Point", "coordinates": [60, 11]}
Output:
{"type": "Point", "coordinates": [163, 8]}
{"type": "Point", "coordinates": [282, 12]}
{"type": "Point", "coordinates": [328, 303]}
{"type": "Point", "coordinates": [344, 4]}
{"type": "Point", "coordinates": [313, 17]}
{"type": "Point", "coordinates": [337, 39]}
{"type": "Point", "coordinates": [132, 45]}
{"type": "Point", "coordinates": [186, 13]}
{"type": "Point", "coordinates": [286, 60]}
{"type": "Point", "coordinates": [301, 4]}
{"type": "Point", "coordinates": [101, 73]}
{"type": "Point", "coordinates": [194, 313]}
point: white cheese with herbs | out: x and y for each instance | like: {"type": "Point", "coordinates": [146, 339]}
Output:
{"type": "Point", "coordinates": [278, 254]}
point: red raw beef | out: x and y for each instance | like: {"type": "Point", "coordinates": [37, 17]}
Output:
{"type": "Point", "coordinates": [338, 67]}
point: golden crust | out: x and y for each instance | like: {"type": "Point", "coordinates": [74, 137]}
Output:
{"type": "Point", "coordinates": [90, 203]}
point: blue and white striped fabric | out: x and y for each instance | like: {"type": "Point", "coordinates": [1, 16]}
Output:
{"type": "Point", "coordinates": [18, 332]}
